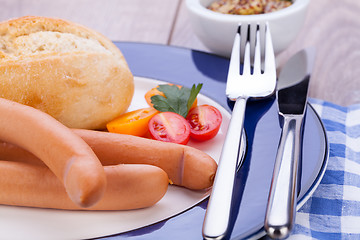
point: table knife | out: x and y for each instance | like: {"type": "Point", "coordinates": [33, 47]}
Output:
{"type": "Point", "coordinates": [292, 102]}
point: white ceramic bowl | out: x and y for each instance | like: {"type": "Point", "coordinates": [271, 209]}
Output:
{"type": "Point", "coordinates": [217, 30]}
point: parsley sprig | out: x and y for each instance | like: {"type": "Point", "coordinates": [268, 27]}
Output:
{"type": "Point", "coordinates": [177, 100]}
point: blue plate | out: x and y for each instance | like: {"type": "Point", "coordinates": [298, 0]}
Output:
{"type": "Point", "coordinates": [186, 67]}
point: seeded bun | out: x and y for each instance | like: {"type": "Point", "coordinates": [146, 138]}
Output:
{"type": "Point", "coordinates": [64, 69]}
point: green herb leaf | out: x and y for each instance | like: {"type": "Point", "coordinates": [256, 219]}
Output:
{"type": "Point", "coordinates": [178, 100]}
{"type": "Point", "coordinates": [193, 94]}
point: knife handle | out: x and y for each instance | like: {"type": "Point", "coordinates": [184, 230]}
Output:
{"type": "Point", "coordinates": [281, 208]}
{"type": "Point", "coordinates": [217, 215]}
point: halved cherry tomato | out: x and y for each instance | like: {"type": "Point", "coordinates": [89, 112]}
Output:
{"type": "Point", "coordinates": [205, 121]}
{"type": "Point", "coordinates": [154, 91]}
{"type": "Point", "coordinates": [132, 123]}
{"type": "Point", "coordinates": [169, 127]}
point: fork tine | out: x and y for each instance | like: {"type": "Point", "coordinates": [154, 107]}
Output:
{"type": "Point", "coordinates": [234, 66]}
{"type": "Point", "coordinates": [247, 62]}
{"type": "Point", "coordinates": [243, 32]}
{"type": "Point", "coordinates": [257, 54]}
{"type": "Point", "coordinates": [252, 39]}
{"type": "Point", "coordinates": [269, 63]}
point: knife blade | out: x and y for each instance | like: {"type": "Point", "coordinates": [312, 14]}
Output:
{"type": "Point", "coordinates": [292, 102]}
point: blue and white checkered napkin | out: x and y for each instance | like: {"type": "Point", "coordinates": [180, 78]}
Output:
{"type": "Point", "coordinates": [333, 211]}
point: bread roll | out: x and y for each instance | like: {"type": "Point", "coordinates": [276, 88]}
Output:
{"type": "Point", "coordinates": [64, 69]}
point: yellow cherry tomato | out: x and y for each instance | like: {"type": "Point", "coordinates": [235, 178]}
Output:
{"type": "Point", "coordinates": [132, 123]}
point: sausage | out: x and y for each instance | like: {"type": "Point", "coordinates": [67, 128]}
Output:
{"type": "Point", "coordinates": [130, 186]}
{"type": "Point", "coordinates": [65, 153]}
{"type": "Point", "coordinates": [185, 165]}
{"type": "Point", "coordinates": [11, 152]}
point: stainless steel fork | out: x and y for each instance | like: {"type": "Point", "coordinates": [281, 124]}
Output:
{"type": "Point", "coordinates": [252, 47]}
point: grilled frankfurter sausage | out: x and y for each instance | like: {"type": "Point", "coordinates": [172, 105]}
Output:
{"type": "Point", "coordinates": [130, 186]}
{"type": "Point", "coordinates": [65, 153]}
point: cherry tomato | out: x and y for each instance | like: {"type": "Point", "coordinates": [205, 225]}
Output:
{"type": "Point", "coordinates": [132, 123]}
{"type": "Point", "coordinates": [154, 91]}
{"type": "Point", "coordinates": [169, 127]}
{"type": "Point", "coordinates": [205, 121]}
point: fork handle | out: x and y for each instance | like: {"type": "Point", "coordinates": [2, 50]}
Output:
{"type": "Point", "coordinates": [217, 215]}
{"type": "Point", "coordinates": [281, 208]}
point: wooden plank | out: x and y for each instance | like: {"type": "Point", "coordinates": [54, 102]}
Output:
{"type": "Point", "coordinates": [119, 20]}
{"type": "Point", "coordinates": [333, 27]}
{"type": "Point", "coordinates": [183, 34]}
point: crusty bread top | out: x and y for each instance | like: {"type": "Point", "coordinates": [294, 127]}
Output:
{"type": "Point", "coordinates": [49, 42]}
{"type": "Point", "coordinates": [27, 36]}
{"type": "Point", "coordinates": [62, 68]}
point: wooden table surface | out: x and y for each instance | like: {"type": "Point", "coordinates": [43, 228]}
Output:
{"type": "Point", "coordinates": [332, 26]}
